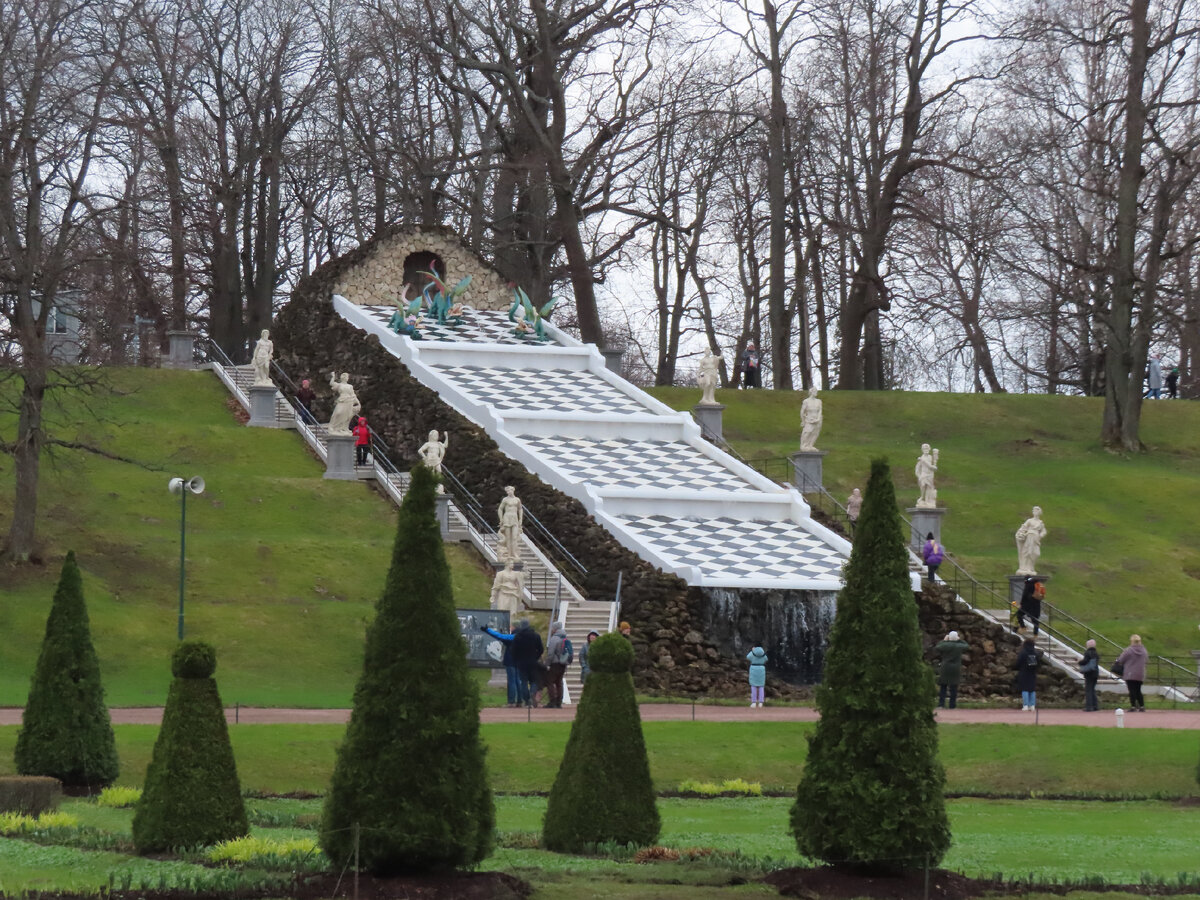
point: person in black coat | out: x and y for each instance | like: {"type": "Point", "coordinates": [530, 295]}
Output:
{"type": "Point", "coordinates": [1089, 665]}
{"type": "Point", "coordinates": [1029, 658]}
{"type": "Point", "coordinates": [526, 653]}
{"type": "Point", "coordinates": [1031, 603]}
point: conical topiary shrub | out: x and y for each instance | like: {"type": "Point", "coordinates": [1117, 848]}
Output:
{"type": "Point", "coordinates": [872, 791]}
{"type": "Point", "coordinates": [410, 776]}
{"type": "Point", "coordinates": [66, 732]}
{"type": "Point", "coordinates": [191, 796]}
{"type": "Point", "coordinates": [603, 790]}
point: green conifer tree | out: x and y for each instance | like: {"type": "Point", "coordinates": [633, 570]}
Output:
{"type": "Point", "coordinates": [66, 732]}
{"type": "Point", "coordinates": [191, 796]}
{"type": "Point", "coordinates": [603, 790]}
{"type": "Point", "coordinates": [872, 791]}
{"type": "Point", "coordinates": [410, 778]}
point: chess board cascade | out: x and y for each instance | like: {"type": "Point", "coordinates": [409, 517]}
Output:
{"type": "Point", "coordinates": [668, 617]}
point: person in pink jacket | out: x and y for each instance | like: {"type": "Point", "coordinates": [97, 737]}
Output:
{"type": "Point", "coordinates": [1133, 659]}
{"type": "Point", "coordinates": [362, 441]}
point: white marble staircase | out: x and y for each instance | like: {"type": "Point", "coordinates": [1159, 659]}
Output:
{"type": "Point", "coordinates": [578, 618]}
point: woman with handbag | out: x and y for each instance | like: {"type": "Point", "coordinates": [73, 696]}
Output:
{"type": "Point", "coordinates": [1132, 668]}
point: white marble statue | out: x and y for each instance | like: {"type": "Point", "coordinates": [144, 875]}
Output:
{"type": "Point", "coordinates": [512, 519]}
{"type": "Point", "coordinates": [264, 350]}
{"type": "Point", "coordinates": [345, 404]}
{"type": "Point", "coordinates": [433, 451]}
{"type": "Point", "coordinates": [927, 464]}
{"type": "Point", "coordinates": [811, 419]}
{"type": "Point", "coordinates": [1029, 542]}
{"type": "Point", "coordinates": [508, 590]}
{"type": "Point", "coordinates": [709, 377]}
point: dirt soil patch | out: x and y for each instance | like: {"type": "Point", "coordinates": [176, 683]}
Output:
{"type": "Point", "coordinates": [828, 883]}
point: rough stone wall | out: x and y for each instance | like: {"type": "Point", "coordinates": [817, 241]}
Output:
{"type": "Point", "coordinates": [378, 278]}
{"type": "Point", "coordinates": [673, 654]}
{"type": "Point", "coordinates": [988, 672]}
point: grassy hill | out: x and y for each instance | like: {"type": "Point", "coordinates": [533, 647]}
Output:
{"type": "Point", "coordinates": [1123, 549]}
{"type": "Point", "coordinates": [283, 567]}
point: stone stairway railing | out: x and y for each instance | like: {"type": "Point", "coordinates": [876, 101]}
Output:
{"type": "Point", "coordinates": [545, 584]}
{"type": "Point", "coordinates": [1061, 636]}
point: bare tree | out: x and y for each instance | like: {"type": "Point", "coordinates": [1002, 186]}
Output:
{"type": "Point", "coordinates": [56, 72]}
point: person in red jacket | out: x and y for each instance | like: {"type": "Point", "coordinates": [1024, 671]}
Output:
{"type": "Point", "coordinates": [362, 441]}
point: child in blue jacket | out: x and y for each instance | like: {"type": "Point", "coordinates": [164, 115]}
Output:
{"type": "Point", "coordinates": [758, 674]}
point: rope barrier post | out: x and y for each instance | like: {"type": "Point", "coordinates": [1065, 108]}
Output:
{"type": "Point", "coordinates": [237, 709]}
{"type": "Point", "coordinates": [926, 877]}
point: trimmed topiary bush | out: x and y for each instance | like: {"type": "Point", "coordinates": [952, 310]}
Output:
{"type": "Point", "coordinates": [872, 791]}
{"type": "Point", "coordinates": [66, 732]}
{"type": "Point", "coordinates": [191, 795]}
{"type": "Point", "coordinates": [411, 773]}
{"type": "Point", "coordinates": [603, 790]}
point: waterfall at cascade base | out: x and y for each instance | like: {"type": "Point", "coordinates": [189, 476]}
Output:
{"type": "Point", "coordinates": [792, 626]}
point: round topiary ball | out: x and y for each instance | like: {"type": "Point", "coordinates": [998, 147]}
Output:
{"type": "Point", "coordinates": [610, 652]}
{"type": "Point", "coordinates": [194, 659]}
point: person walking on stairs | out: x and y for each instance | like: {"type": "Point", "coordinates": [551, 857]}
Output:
{"type": "Point", "coordinates": [1089, 666]}
{"type": "Point", "coordinates": [950, 651]}
{"type": "Point", "coordinates": [1131, 666]}
{"type": "Point", "coordinates": [758, 675]}
{"type": "Point", "coordinates": [933, 554]}
{"type": "Point", "coordinates": [362, 441]}
{"type": "Point", "coordinates": [1032, 596]}
{"type": "Point", "coordinates": [1029, 658]}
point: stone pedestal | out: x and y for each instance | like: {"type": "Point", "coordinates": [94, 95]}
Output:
{"type": "Point", "coordinates": [613, 360]}
{"type": "Point", "coordinates": [262, 406]}
{"type": "Point", "coordinates": [924, 520]}
{"type": "Point", "coordinates": [808, 470]}
{"type": "Point", "coordinates": [442, 511]}
{"type": "Point", "coordinates": [709, 419]}
{"type": "Point", "coordinates": [339, 464]}
{"type": "Point", "coordinates": [1016, 586]}
{"type": "Point", "coordinates": [181, 352]}
{"type": "Point", "coordinates": [499, 678]}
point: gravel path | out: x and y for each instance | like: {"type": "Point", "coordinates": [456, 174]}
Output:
{"type": "Point", "coordinates": [682, 712]}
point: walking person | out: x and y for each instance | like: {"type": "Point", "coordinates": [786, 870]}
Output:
{"type": "Point", "coordinates": [751, 377]}
{"type": "Point", "coordinates": [305, 397]}
{"type": "Point", "coordinates": [758, 675]}
{"type": "Point", "coordinates": [512, 673]}
{"type": "Point", "coordinates": [1029, 657]}
{"type": "Point", "coordinates": [1089, 666]}
{"type": "Point", "coordinates": [1032, 596]}
{"type": "Point", "coordinates": [933, 554]}
{"type": "Point", "coordinates": [362, 441]}
{"type": "Point", "coordinates": [1154, 378]}
{"type": "Point", "coordinates": [950, 651]}
{"type": "Point", "coordinates": [584, 666]}
{"type": "Point", "coordinates": [526, 653]}
{"type": "Point", "coordinates": [558, 657]}
{"type": "Point", "coordinates": [1173, 383]}
{"type": "Point", "coordinates": [1131, 666]}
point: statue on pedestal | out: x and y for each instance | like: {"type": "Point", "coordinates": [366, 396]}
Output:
{"type": "Point", "coordinates": [508, 590]}
{"type": "Point", "coordinates": [854, 505]}
{"type": "Point", "coordinates": [1029, 542]}
{"type": "Point", "coordinates": [512, 519]}
{"type": "Point", "coordinates": [345, 404]}
{"type": "Point", "coordinates": [811, 419]}
{"type": "Point", "coordinates": [264, 350]}
{"type": "Point", "coordinates": [433, 451]}
{"type": "Point", "coordinates": [708, 378]}
{"type": "Point", "coordinates": [927, 464]}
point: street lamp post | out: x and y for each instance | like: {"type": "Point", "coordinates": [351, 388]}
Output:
{"type": "Point", "coordinates": [194, 485]}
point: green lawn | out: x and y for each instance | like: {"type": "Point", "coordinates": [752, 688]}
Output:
{"type": "Point", "coordinates": [1123, 548]}
{"type": "Point", "coordinates": [1042, 840]}
{"type": "Point", "coordinates": [979, 759]}
{"type": "Point", "coordinates": [283, 567]}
